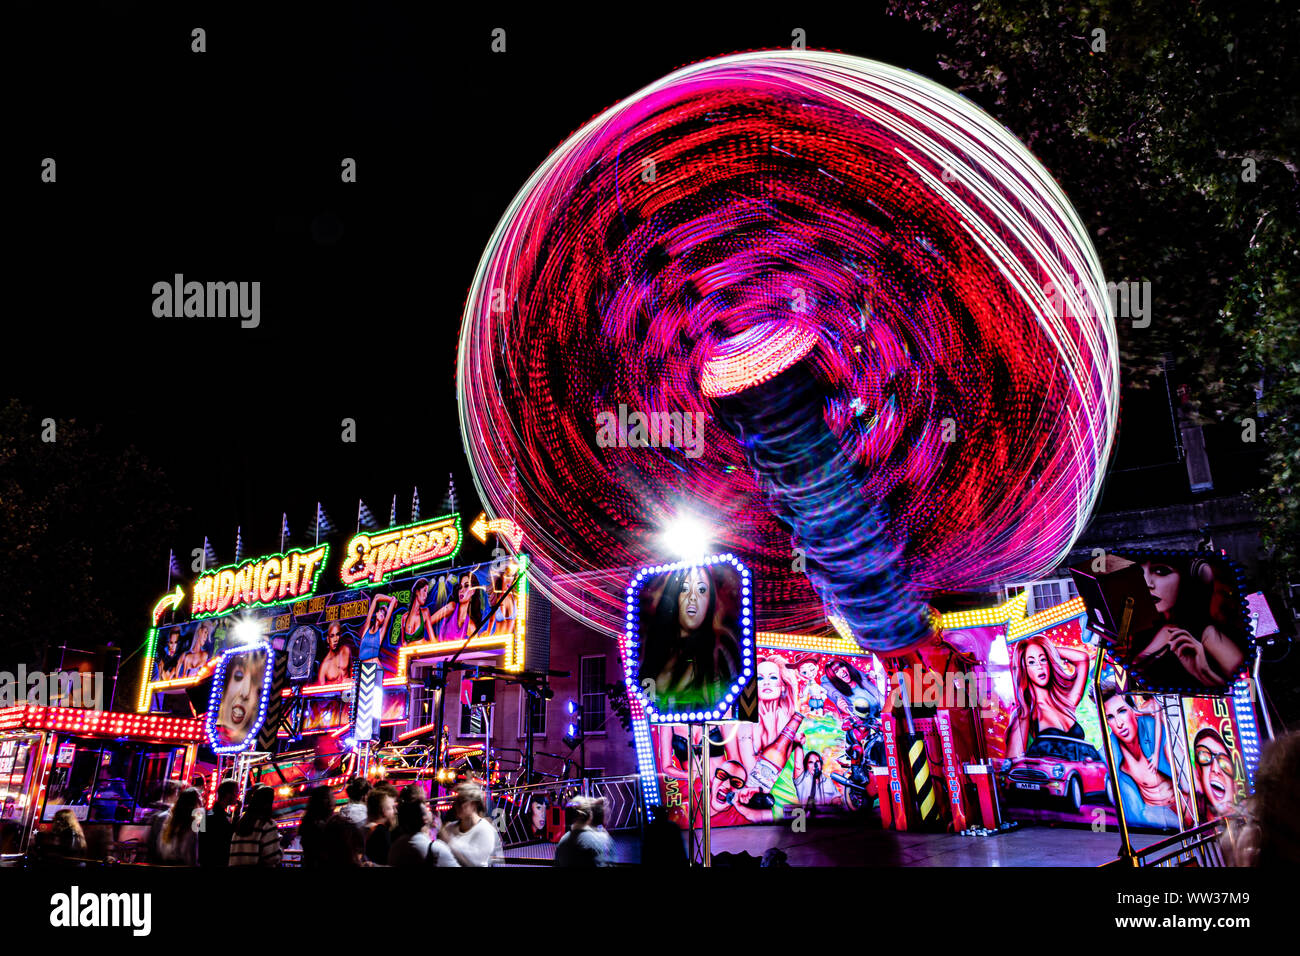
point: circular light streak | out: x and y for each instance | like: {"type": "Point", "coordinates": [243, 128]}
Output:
{"type": "Point", "coordinates": [873, 221]}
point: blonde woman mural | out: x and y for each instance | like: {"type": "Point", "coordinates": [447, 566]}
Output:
{"type": "Point", "coordinates": [1049, 682]}
{"type": "Point", "coordinates": [198, 653]}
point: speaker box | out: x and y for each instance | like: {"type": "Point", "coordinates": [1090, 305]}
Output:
{"type": "Point", "coordinates": [1105, 593]}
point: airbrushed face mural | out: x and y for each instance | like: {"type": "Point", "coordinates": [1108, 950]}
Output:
{"type": "Point", "coordinates": [817, 733]}
{"type": "Point", "coordinates": [1044, 734]}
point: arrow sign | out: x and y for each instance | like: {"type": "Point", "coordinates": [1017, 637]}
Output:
{"type": "Point", "coordinates": [500, 526]}
{"type": "Point", "coordinates": [747, 703]}
{"type": "Point", "coordinates": [170, 600]}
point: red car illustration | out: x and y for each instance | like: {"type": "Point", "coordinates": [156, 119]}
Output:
{"type": "Point", "coordinates": [1058, 766]}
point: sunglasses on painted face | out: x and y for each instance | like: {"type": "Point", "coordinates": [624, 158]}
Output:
{"type": "Point", "coordinates": [1205, 756]}
{"type": "Point", "coordinates": [722, 776]}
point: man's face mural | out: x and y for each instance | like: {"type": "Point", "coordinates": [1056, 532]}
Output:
{"type": "Point", "coordinates": [1216, 772]}
{"type": "Point", "coordinates": [1121, 719]}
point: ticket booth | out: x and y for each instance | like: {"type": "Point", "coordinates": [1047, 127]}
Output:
{"type": "Point", "coordinates": [103, 766]}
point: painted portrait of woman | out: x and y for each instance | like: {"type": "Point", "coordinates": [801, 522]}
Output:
{"type": "Point", "coordinates": [460, 613]}
{"type": "Point", "coordinates": [1195, 640]}
{"type": "Point", "coordinates": [1049, 682]}
{"type": "Point", "coordinates": [241, 697]}
{"type": "Point", "coordinates": [689, 643]}
{"type": "Point", "coordinates": [856, 697]}
{"type": "Point", "coordinates": [778, 700]}
{"type": "Point", "coordinates": [337, 663]}
{"type": "Point", "coordinates": [199, 652]}
{"type": "Point", "coordinates": [504, 595]}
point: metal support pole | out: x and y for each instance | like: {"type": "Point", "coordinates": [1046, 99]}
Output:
{"type": "Point", "coordinates": [704, 794]}
{"type": "Point", "coordinates": [1126, 847]}
{"type": "Point", "coordinates": [697, 806]}
{"type": "Point", "coordinates": [530, 709]}
{"type": "Point", "coordinates": [1259, 687]}
{"type": "Point", "coordinates": [487, 756]}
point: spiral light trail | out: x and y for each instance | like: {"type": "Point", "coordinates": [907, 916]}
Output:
{"type": "Point", "coordinates": [931, 274]}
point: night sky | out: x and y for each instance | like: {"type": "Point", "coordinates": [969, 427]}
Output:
{"type": "Point", "coordinates": [224, 166]}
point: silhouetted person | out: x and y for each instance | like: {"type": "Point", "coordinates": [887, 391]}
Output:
{"type": "Point", "coordinates": [1272, 834]}
{"type": "Point", "coordinates": [219, 826]}
{"type": "Point", "coordinates": [662, 845]}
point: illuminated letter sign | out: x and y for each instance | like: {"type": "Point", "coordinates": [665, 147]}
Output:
{"type": "Point", "coordinates": [375, 557]}
{"type": "Point", "coordinates": [275, 579]}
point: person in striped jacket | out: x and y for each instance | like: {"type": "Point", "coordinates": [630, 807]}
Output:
{"type": "Point", "coordinates": [257, 840]}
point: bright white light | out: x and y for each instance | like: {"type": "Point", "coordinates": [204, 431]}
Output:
{"type": "Point", "coordinates": [247, 632]}
{"type": "Point", "coordinates": [687, 538]}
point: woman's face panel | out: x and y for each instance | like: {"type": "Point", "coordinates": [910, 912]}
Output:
{"type": "Point", "coordinates": [1037, 666]}
{"type": "Point", "coordinates": [769, 681]}
{"type": "Point", "coordinates": [1162, 580]}
{"type": "Point", "coordinates": [239, 705]}
{"type": "Point", "coordinates": [693, 600]}
{"type": "Point", "coordinates": [465, 590]}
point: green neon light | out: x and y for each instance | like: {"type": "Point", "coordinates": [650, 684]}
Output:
{"type": "Point", "coordinates": [278, 601]}
{"type": "Point", "coordinates": [150, 643]}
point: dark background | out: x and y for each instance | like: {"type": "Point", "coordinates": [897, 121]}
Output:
{"type": "Point", "coordinates": [225, 166]}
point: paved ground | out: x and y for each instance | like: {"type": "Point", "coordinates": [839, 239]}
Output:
{"type": "Point", "coordinates": [835, 844]}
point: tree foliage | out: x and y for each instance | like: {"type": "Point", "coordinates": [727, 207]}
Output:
{"type": "Point", "coordinates": [1174, 134]}
{"type": "Point", "coordinates": [83, 522]}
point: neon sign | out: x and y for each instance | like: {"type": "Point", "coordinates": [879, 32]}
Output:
{"type": "Point", "coordinates": [375, 557]}
{"type": "Point", "coordinates": [482, 527]}
{"type": "Point", "coordinates": [171, 600]}
{"type": "Point", "coordinates": [258, 582]}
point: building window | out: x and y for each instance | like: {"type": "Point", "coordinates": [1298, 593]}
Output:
{"type": "Point", "coordinates": [1046, 594]}
{"type": "Point", "coordinates": [539, 715]}
{"type": "Point", "coordinates": [472, 722]}
{"type": "Point", "coordinates": [592, 691]}
{"type": "Point", "coordinates": [423, 701]}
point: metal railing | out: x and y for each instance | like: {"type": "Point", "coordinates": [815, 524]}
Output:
{"type": "Point", "coordinates": [1199, 846]}
{"type": "Point", "coordinates": [622, 805]}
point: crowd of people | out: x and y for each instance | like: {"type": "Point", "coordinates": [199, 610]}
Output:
{"type": "Point", "coordinates": [377, 826]}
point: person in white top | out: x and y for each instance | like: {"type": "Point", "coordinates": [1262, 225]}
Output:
{"type": "Point", "coordinates": [470, 839]}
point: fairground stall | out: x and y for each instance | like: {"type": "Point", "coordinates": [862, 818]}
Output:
{"type": "Point", "coordinates": [307, 666]}
{"type": "Point", "coordinates": [1058, 717]}
{"type": "Point", "coordinates": [103, 767]}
